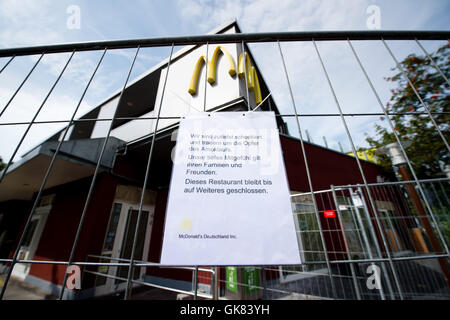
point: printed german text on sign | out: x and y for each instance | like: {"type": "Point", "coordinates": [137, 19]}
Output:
{"type": "Point", "coordinates": [229, 199]}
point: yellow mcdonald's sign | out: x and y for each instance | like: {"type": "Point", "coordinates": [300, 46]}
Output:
{"type": "Point", "coordinates": [368, 154]}
{"type": "Point", "coordinates": [245, 70]}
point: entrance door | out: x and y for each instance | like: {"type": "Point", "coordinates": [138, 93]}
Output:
{"type": "Point", "coordinates": [119, 243]}
{"type": "Point", "coordinates": [32, 236]}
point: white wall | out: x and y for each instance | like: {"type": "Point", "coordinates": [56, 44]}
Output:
{"type": "Point", "coordinates": [135, 129]}
{"type": "Point", "coordinates": [106, 112]}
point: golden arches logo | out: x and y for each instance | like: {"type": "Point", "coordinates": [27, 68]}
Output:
{"type": "Point", "coordinates": [246, 70]}
{"type": "Point", "coordinates": [185, 225]}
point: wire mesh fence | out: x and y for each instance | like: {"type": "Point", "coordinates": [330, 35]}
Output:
{"type": "Point", "coordinates": [358, 239]}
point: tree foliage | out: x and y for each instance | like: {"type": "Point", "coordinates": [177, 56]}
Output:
{"type": "Point", "coordinates": [427, 151]}
{"type": "Point", "coordinates": [2, 164]}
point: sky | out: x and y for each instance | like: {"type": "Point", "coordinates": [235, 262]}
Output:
{"type": "Point", "coordinates": [29, 23]}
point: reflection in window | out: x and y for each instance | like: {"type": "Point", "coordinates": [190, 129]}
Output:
{"type": "Point", "coordinates": [112, 228]}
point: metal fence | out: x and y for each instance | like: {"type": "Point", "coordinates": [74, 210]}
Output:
{"type": "Point", "coordinates": [390, 239]}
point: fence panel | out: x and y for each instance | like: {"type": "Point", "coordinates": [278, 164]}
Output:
{"type": "Point", "coordinates": [362, 240]}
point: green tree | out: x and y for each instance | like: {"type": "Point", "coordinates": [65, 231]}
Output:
{"type": "Point", "coordinates": [427, 151]}
{"type": "Point", "coordinates": [2, 164]}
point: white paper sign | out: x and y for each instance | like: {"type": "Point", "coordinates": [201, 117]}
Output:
{"type": "Point", "coordinates": [229, 200]}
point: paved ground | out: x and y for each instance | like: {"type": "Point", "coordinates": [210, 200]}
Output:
{"type": "Point", "coordinates": [143, 293]}
{"type": "Point", "coordinates": [430, 285]}
{"type": "Point", "coordinates": [154, 294]}
{"type": "Point", "coordinates": [18, 290]}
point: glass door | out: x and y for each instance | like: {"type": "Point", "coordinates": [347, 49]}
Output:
{"type": "Point", "coordinates": [31, 241]}
{"type": "Point", "coordinates": [108, 246]}
{"type": "Point", "coordinates": [119, 243]}
{"type": "Point", "coordinates": [127, 244]}
{"type": "Point", "coordinates": [33, 235]}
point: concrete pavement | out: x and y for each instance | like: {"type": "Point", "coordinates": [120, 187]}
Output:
{"type": "Point", "coordinates": [18, 290]}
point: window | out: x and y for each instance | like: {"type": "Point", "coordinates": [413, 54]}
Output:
{"type": "Point", "coordinates": [309, 240]}
{"type": "Point", "coordinates": [112, 228]}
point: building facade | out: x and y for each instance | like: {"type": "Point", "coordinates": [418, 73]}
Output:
{"type": "Point", "coordinates": [147, 113]}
